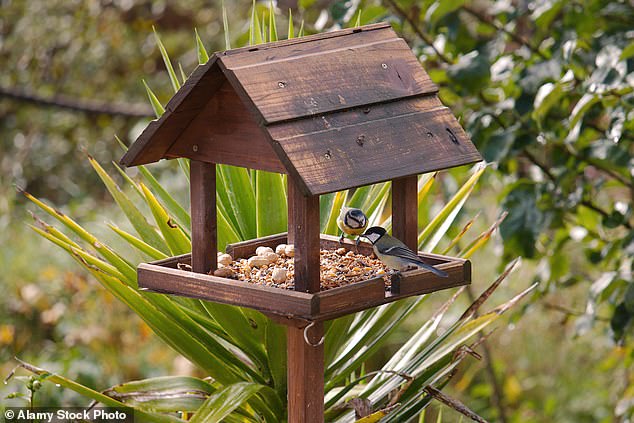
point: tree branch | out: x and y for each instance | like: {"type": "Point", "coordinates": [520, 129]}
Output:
{"type": "Point", "coordinates": [492, 22]}
{"type": "Point", "coordinates": [75, 104]}
{"type": "Point", "coordinates": [587, 203]}
{"type": "Point", "coordinates": [414, 24]}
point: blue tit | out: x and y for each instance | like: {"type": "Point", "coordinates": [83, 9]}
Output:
{"type": "Point", "coordinates": [351, 221]}
{"type": "Point", "coordinates": [394, 254]}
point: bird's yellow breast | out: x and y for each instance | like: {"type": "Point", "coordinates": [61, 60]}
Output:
{"type": "Point", "coordinates": [347, 229]}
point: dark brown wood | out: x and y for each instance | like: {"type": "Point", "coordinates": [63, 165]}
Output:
{"type": "Point", "coordinates": [246, 249]}
{"type": "Point", "coordinates": [173, 262]}
{"type": "Point", "coordinates": [157, 137]}
{"type": "Point", "coordinates": [227, 291]}
{"type": "Point", "coordinates": [330, 242]}
{"type": "Point", "coordinates": [303, 232]}
{"type": "Point", "coordinates": [308, 84]}
{"type": "Point", "coordinates": [258, 53]}
{"type": "Point", "coordinates": [371, 291]}
{"type": "Point", "coordinates": [203, 216]}
{"type": "Point", "coordinates": [225, 132]}
{"type": "Point", "coordinates": [376, 151]}
{"type": "Point", "coordinates": [405, 210]}
{"type": "Point", "coordinates": [417, 282]}
{"type": "Point", "coordinates": [305, 375]}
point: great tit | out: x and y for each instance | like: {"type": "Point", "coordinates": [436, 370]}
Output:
{"type": "Point", "coordinates": [351, 221]}
{"type": "Point", "coordinates": [394, 254]}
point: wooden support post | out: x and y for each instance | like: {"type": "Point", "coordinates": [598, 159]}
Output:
{"type": "Point", "coordinates": [305, 375]}
{"type": "Point", "coordinates": [203, 214]}
{"type": "Point", "coordinates": [303, 232]}
{"type": "Point", "coordinates": [405, 210]}
{"type": "Point", "coordinates": [305, 372]}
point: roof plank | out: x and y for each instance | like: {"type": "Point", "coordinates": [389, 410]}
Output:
{"type": "Point", "coordinates": [319, 83]}
{"type": "Point", "coordinates": [379, 150]}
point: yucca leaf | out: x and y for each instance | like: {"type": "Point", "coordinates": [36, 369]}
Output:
{"type": "Point", "coordinates": [276, 355]}
{"type": "Point", "coordinates": [222, 403]}
{"type": "Point", "coordinates": [448, 212]}
{"type": "Point", "coordinates": [301, 29]}
{"type": "Point", "coordinates": [182, 72]}
{"type": "Point", "coordinates": [183, 164]}
{"type": "Point", "coordinates": [357, 22]}
{"type": "Point", "coordinates": [94, 395]}
{"type": "Point", "coordinates": [270, 200]}
{"type": "Point", "coordinates": [226, 232]}
{"type": "Point", "coordinates": [291, 30]}
{"type": "Point", "coordinates": [265, 29]}
{"type": "Point", "coordinates": [54, 231]}
{"type": "Point", "coordinates": [173, 207]}
{"type": "Point", "coordinates": [336, 334]}
{"type": "Point", "coordinates": [176, 240]}
{"type": "Point", "coordinates": [238, 199]}
{"type": "Point", "coordinates": [122, 266]}
{"type": "Point", "coordinates": [139, 223]}
{"type": "Point", "coordinates": [272, 24]}
{"type": "Point", "coordinates": [168, 63]}
{"type": "Point", "coordinates": [87, 258]}
{"type": "Point", "coordinates": [209, 355]}
{"type": "Point", "coordinates": [225, 26]}
{"type": "Point", "coordinates": [203, 57]}
{"type": "Point", "coordinates": [127, 178]}
{"type": "Point", "coordinates": [252, 26]}
{"type": "Point", "coordinates": [483, 238]}
{"type": "Point", "coordinates": [325, 207]}
{"type": "Point", "coordinates": [242, 332]}
{"type": "Point", "coordinates": [167, 394]}
{"type": "Point", "coordinates": [154, 101]}
{"type": "Point", "coordinates": [338, 202]}
{"type": "Point", "coordinates": [425, 183]}
{"type": "Point", "coordinates": [139, 244]}
{"type": "Point", "coordinates": [385, 319]}
{"type": "Point", "coordinates": [461, 234]}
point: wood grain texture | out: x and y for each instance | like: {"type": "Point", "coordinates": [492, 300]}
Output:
{"type": "Point", "coordinates": [317, 83]}
{"type": "Point", "coordinates": [226, 132]}
{"type": "Point", "coordinates": [371, 291]}
{"type": "Point", "coordinates": [258, 53]}
{"type": "Point", "coordinates": [375, 151]}
{"type": "Point", "coordinates": [405, 210]}
{"type": "Point", "coordinates": [303, 232]}
{"type": "Point", "coordinates": [417, 282]}
{"type": "Point", "coordinates": [202, 181]}
{"type": "Point", "coordinates": [207, 287]}
{"type": "Point", "coordinates": [305, 375]}
{"type": "Point", "coordinates": [245, 249]}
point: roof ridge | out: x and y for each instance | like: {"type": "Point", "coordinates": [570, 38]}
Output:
{"type": "Point", "coordinates": [305, 39]}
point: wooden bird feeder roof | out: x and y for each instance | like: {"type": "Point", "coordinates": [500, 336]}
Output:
{"type": "Point", "coordinates": [333, 111]}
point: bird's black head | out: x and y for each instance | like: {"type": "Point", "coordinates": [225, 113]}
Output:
{"type": "Point", "coordinates": [374, 233]}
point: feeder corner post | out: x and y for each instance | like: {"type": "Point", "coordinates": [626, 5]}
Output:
{"type": "Point", "coordinates": [203, 216]}
{"type": "Point", "coordinates": [305, 372]}
{"type": "Point", "coordinates": [405, 210]}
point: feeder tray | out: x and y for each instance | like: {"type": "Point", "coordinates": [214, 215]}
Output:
{"type": "Point", "coordinates": [165, 277]}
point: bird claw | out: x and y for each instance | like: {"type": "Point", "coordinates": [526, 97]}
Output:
{"type": "Point", "coordinates": [357, 241]}
{"type": "Point", "coordinates": [395, 274]}
{"type": "Point", "coordinates": [341, 238]}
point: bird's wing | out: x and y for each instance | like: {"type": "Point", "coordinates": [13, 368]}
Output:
{"type": "Point", "coordinates": [407, 254]}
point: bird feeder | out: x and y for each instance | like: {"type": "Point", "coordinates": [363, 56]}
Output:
{"type": "Point", "coordinates": [333, 111]}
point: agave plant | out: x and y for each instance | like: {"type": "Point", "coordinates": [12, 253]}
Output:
{"type": "Point", "coordinates": [243, 352]}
